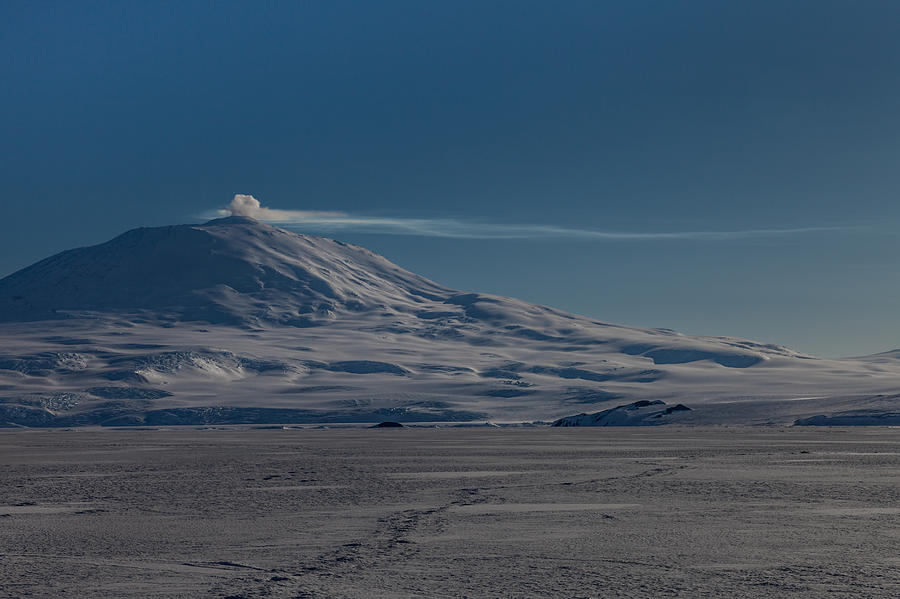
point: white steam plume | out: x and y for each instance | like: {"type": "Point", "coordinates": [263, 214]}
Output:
{"type": "Point", "coordinates": [325, 222]}
{"type": "Point", "coordinates": [247, 205]}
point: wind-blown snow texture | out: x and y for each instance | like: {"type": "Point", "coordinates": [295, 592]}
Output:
{"type": "Point", "coordinates": [238, 321]}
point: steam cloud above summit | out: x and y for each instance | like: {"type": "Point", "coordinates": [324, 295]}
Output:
{"type": "Point", "coordinates": [329, 221]}
{"type": "Point", "coordinates": [247, 205]}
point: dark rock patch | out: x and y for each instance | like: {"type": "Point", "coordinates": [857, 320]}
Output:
{"type": "Point", "coordinates": [507, 392]}
{"type": "Point", "coordinates": [639, 413]}
{"type": "Point", "coordinates": [366, 367]}
{"type": "Point", "coordinates": [127, 393]}
{"type": "Point", "coordinates": [852, 418]}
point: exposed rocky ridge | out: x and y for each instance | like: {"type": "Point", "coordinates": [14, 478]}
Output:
{"type": "Point", "coordinates": [639, 413]}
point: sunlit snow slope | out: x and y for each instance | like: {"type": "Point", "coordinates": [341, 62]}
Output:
{"type": "Point", "coordinates": [237, 321]}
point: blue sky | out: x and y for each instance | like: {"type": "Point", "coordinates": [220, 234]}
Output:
{"type": "Point", "coordinates": [675, 124]}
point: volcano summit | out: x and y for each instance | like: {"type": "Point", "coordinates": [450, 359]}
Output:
{"type": "Point", "coordinates": [234, 271]}
{"type": "Point", "coordinates": [236, 321]}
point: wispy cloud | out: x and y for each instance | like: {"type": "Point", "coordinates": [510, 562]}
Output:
{"type": "Point", "coordinates": [325, 222]}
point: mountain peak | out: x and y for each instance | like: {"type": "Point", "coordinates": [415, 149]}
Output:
{"type": "Point", "coordinates": [232, 270]}
{"type": "Point", "coordinates": [232, 220]}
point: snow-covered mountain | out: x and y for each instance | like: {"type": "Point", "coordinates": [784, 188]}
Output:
{"type": "Point", "coordinates": [238, 321]}
{"type": "Point", "coordinates": [234, 271]}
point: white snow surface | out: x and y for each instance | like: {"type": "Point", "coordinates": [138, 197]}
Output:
{"type": "Point", "coordinates": [238, 321]}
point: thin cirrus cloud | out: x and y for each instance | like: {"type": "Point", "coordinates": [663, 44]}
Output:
{"type": "Point", "coordinates": [326, 221]}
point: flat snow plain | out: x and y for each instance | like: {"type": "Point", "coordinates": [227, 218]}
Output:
{"type": "Point", "coordinates": [609, 512]}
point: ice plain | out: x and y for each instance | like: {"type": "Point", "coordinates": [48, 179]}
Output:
{"type": "Point", "coordinates": [466, 512]}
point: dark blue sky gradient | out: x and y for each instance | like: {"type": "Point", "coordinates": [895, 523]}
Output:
{"type": "Point", "coordinates": [627, 116]}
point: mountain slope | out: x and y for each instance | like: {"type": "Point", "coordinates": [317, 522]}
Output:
{"type": "Point", "coordinates": [237, 321]}
{"type": "Point", "coordinates": [233, 270]}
